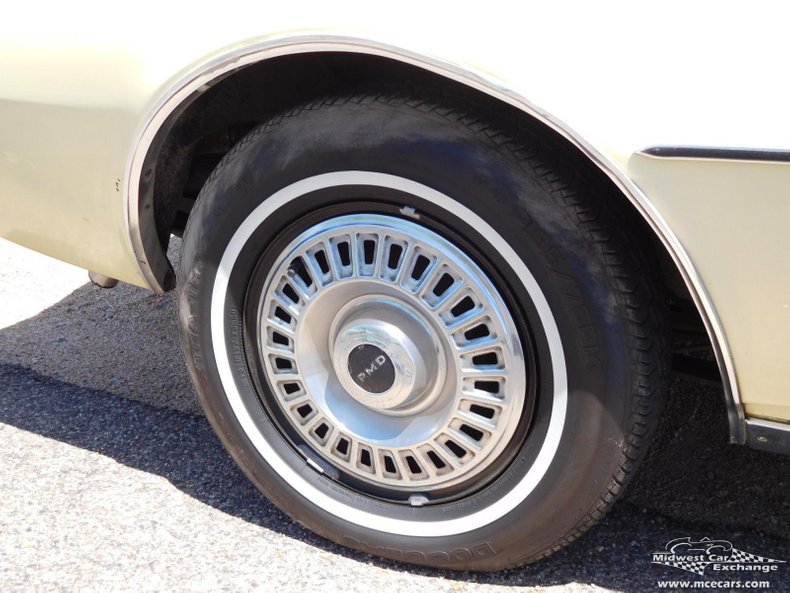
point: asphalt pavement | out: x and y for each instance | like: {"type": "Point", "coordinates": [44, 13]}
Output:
{"type": "Point", "coordinates": [111, 479]}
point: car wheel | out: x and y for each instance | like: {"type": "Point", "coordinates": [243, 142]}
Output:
{"type": "Point", "coordinates": [417, 332]}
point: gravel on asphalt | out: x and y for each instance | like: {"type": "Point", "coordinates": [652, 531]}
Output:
{"type": "Point", "coordinates": [111, 480]}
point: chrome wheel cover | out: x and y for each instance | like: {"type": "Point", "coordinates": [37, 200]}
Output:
{"type": "Point", "coordinates": [390, 352]}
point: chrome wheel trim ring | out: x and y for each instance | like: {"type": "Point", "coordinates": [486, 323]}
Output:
{"type": "Point", "coordinates": [430, 317]}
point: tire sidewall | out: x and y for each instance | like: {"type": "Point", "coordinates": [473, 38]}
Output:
{"type": "Point", "coordinates": [525, 212]}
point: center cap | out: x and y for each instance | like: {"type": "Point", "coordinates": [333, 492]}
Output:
{"type": "Point", "coordinates": [371, 368]}
{"type": "Point", "coordinates": [385, 357]}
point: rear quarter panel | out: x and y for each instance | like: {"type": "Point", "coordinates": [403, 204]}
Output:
{"type": "Point", "coordinates": [732, 217]}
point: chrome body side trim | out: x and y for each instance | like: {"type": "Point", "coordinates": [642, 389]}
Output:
{"type": "Point", "coordinates": [705, 153]}
{"type": "Point", "coordinates": [214, 70]}
{"type": "Point", "coordinates": [767, 435]}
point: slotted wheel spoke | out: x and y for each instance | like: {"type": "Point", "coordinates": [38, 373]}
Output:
{"type": "Point", "coordinates": [393, 354]}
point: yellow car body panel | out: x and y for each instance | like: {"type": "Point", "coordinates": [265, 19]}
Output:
{"type": "Point", "coordinates": [79, 95]}
{"type": "Point", "coordinates": [732, 216]}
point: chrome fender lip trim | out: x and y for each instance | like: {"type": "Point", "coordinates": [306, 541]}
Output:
{"type": "Point", "coordinates": [213, 69]}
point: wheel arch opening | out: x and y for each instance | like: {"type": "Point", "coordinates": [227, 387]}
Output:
{"type": "Point", "coordinates": [194, 135]}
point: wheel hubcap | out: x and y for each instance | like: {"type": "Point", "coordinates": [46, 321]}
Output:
{"type": "Point", "coordinates": [391, 353]}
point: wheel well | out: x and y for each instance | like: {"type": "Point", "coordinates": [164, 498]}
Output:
{"type": "Point", "coordinates": [194, 138]}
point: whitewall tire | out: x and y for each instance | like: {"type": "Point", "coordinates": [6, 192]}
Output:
{"type": "Point", "coordinates": [406, 330]}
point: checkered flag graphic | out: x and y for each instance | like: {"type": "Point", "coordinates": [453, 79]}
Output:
{"type": "Point", "coordinates": [741, 556]}
{"type": "Point", "coordinates": [695, 567]}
